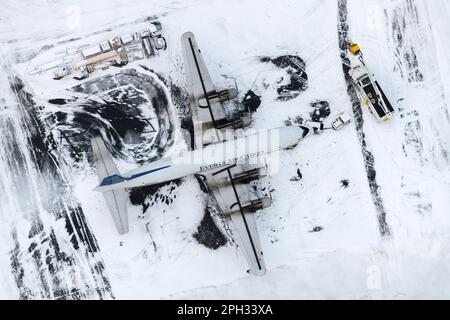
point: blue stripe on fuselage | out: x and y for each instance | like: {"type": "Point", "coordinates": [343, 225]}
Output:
{"type": "Point", "coordinates": [118, 179]}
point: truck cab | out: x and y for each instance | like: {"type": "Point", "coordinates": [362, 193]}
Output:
{"type": "Point", "coordinates": [372, 94]}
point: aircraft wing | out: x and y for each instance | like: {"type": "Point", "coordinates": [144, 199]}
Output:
{"type": "Point", "coordinates": [232, 192]}
{"type": "Point", "coordinates": [206, 103]}
{"type": "Point", "coordinates": [116, 199]}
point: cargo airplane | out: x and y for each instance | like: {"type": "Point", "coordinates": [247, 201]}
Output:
{"type": "Point", "coordinates": [227, 166]}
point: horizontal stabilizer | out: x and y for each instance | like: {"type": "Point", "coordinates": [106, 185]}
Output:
{"type": "Point", "coordinates": [115, 199]}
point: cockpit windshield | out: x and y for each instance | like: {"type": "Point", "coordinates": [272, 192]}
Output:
{"type": "Point", "coordinates": [305, 131]}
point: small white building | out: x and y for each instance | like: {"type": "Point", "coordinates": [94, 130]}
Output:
{"type": "Point", "coordinates": [91, 52]}
{"type": "Point", "coordinates": [105, 46]}
{"type": "Point", "coordinates": [126, 38]}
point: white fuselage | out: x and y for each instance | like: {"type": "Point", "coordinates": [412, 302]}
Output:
{"type": "Point", "coordinates": [214, 157]}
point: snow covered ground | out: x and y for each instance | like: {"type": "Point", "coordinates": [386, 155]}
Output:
{"type": "Point", "coordinates": [369, 219]}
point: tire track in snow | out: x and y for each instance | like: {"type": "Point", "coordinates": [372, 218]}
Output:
{"type": "Point", "coordinates": [411, 37]}
{"type": "Point", "coordinates": [407, 62]}
{"type": "Point", "coordinates": [369, 160]}
{"type": "Point", "coordinates": [54, 254]}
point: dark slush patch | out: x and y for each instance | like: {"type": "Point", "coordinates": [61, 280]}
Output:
{"type": "Point", "coordinates": [208, 234]}
{"type": "Point", "coordinates": [295, 68]}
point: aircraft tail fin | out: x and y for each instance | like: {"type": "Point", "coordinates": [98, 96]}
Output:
{"type": "Point", "coordinates": [115, 199]}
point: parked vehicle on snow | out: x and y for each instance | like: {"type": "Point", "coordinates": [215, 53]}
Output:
{"type": "Point", "coordinates": [370, 91]}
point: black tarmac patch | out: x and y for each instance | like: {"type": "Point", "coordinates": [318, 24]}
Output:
{"type": "Point", "coordinates": [317, 229]}
{"type": "Point", "coordinates": [130, 110]}
{"type": "Point", "coordinates": [345, 183]}
{"type": "Point", "coordinates": [295, 68]}
{"type": "Point", "coordinates": [148, 196]}
{"type": "Point", "coordinates": [251, 101]}
{"type": "Point", "coordinates": [208, 234]}
{"type": "Point", "coordinates": [321, 110]}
